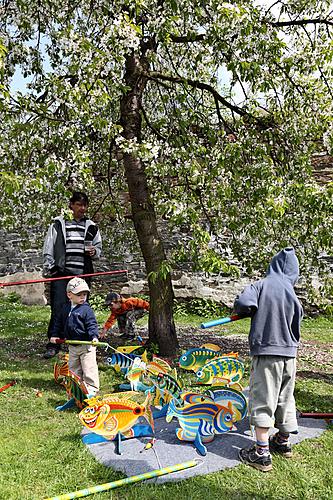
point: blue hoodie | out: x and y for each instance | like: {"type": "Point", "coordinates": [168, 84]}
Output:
{"type": "Point", "coordinates": [274, 308]}
{"type": "Point", "coordinates": [78, 323]}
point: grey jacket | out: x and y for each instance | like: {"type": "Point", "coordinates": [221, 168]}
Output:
{"type": "Point", "coordinates": [275, 311]}
{"type": "Point", "coordinates": [54, 250]}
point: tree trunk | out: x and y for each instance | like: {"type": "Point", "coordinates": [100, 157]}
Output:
{"type": "Point", "coordinates": [161, 324]}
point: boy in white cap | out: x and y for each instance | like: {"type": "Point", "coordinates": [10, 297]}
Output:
{"type": "Point", "coordinates": [77, 321]}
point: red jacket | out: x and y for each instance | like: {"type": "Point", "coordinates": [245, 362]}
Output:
{"type": "Point", "coordinates": [126, 305]}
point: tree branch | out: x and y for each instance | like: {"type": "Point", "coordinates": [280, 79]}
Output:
{"type": "Point", "coordinates": [192, 37]}
{"type": "Point", "coordinates": [156, 76]}
{"type": "Point", "coordinates": [152, 128]}
{"type": "Point", "coordinates": [301, 22]}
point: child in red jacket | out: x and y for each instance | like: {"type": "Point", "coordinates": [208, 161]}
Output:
{"type": "Point", "coordinates": [125, 312]}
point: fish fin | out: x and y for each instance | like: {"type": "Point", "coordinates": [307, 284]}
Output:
{"type": "Point", "coordinates": [162, 363]}
{"type": "Point", "coordinates": [220, 381]}
{"type": "Point", "coordinates": [128, 349]}
{"type": "Point", "coordinates": [232, 354]}
{"type": "Point", "coordinates": [213, 347]}
{"type": "Point", "coordinates": [200, 447]}
{"type": "Point", "coordinates": [236, 387]}
{"type": "Point", "coordinates": [174, 373]}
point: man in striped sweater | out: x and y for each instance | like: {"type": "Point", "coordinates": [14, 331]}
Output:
{"type": "Point", "coordinates": [125, 312]}
{"type": "Point", "coordinates": [70, 247]}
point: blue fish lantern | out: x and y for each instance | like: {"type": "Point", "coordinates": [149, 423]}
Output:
{"type": "Point", "coordinates": [199, 422]}
{"type": "Point", "coordinates": [227, 395]}
{"type": "Point", "coordinates": [121, 362]}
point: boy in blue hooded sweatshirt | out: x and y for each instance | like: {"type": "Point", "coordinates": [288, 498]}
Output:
{"type": "Point", "coordinates": [276, 315]}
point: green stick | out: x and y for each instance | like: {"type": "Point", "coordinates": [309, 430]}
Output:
{"type": "Point", "coordinates": [126, 480]}
{"type": "Point", "coordinates": [84, 342]}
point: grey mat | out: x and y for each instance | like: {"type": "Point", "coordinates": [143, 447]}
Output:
{"type": "Point", "coordinates": [169, 450]}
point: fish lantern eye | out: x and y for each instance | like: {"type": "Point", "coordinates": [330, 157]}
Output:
{"type": "Point", "coordinates": [136, 411]}
{"type": "Point", "coordinates": [199, 373]}
{"type": "Point", "coordinates": [183, 358]}
{"type": "Point", "coordinates": [228, 417]}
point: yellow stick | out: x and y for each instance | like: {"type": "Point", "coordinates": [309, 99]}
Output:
{"type": "Point", "coordinates": [126, 480]}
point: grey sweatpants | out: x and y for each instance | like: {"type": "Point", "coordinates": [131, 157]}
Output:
{"type": "Point", "coordinates": [271, 398]}
{"type": "Point", "coordinates": [82, 361]}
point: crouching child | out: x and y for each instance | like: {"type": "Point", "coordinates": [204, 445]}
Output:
{"type": "Point", "coordinates": [125, 312]}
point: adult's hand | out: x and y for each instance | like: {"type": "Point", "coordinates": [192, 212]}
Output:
{"type": "Point", "coordinates": [90, 250]}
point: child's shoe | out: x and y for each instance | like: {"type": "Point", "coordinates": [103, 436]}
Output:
{"type": "Point", "coordinates": [127, 336]}
{"type": "Point", "coordinates": [283, 449]}
{"type": "Point", "coordinates": [251, 457]}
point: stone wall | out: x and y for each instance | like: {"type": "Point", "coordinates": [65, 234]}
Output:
{"type": "Point", "coordinates": [21, 260]}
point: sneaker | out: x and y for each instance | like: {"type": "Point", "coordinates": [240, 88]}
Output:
{"type": "Point", "coordinates": [251, 457]}
{"type": "Point", "coordinates": [127, 336]}
{"type": "Point", "coordinates": [276, 447]}
{"type": "Point", "coordinates": [50, 353]}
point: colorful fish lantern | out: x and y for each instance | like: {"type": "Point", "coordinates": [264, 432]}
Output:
{"type": "Point", "coordinates": [122, 362]}
{"type": "Point", "coordinates": [195, 358]}
{"type": "Point", "coordinates": [168, 384]}
{"type": "Point", "coordinates": [115, 414]}
{"type": "Point", "coordinates": [199, 422]}
{"type": "Point", "coordinates": [225, 395]}
{"type": "Point", "coordinates": [227, 370]}
{"type": "Point", "coordinates": [77, 392]}
{"type": "Point", "coordinates": [158, 365]}
{"type": "Point", "coordinates": [128, 349]}
{"type": "Point", "coordinates": [60, 368]}
{"type": "Point", "coordinates": [138, 374]}
{"type": "Point", "coordinates": [221, 396]}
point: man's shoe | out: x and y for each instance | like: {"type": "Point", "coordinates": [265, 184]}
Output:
{"type": "Point", "coordinates": [276, 447]}
{"type": "Point", "coordinates": [251, 457]}
{"type": "Point", "coordinates": [50, 353]}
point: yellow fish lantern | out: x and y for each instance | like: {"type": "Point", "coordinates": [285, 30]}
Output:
{"type": "Point", "coordinates": [114, 414]}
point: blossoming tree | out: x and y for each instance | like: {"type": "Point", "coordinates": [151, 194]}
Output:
{"type": "Point", "coordinates": [205, 112]}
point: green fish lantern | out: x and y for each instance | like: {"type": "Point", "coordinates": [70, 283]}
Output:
{"type": "Point", "coordinates": [225, 369]}
{"type": "Point", "coordinates": [195, 358]}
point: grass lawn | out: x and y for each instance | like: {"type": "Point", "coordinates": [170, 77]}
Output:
{"type": "Point", "coordinates": [42, 454]}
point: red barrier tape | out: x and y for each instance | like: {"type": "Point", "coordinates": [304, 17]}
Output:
{"type": "Point", "coordinates": [45, 280]}
{"type": "Point", "coordinates": [4, 387]}
{"type": "Point", "coordinates": [317, 415]}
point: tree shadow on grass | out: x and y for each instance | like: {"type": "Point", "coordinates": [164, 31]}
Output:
{"type": "Point", "coordinates": [312, 402]}
{"type": "Point", "coordinates": [315, 375]}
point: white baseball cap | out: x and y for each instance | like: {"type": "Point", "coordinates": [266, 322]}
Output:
{"type": "Point", "coordinates": [77, 285]}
